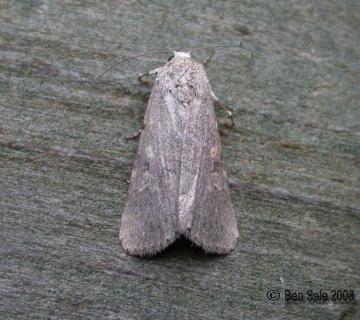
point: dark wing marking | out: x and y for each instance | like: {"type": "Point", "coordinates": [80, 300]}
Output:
{"type": "Point", "coordinates": [149, 221]}
{"type": "Point", "coordinates": [206, 214]}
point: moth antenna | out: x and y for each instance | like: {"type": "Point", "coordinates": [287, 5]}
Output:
{"type": "Point", "coordinates": [129, 58]}
{"type": "Point", "coordinates": [225, 46]}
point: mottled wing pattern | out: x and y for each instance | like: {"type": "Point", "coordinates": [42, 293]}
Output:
{"type": "Point", "coordinates": [149, 221]}
{"type": "Point", "coordinates": [206, 214]}
{"type": "Point", "coordinates": [178, 184]}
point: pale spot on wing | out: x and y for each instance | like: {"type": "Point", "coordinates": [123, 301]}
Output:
{"type": "Point", "coordinates": [216, 180]}
{"type": "Point", "coordinates": [214, 151]}
{"type": "Point", "coordinates": [149, 152]}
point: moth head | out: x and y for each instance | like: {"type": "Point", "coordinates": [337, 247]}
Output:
{"type": "Point", "coordinates": [180, 54]}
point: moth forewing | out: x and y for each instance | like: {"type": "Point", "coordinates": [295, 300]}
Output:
{"type": "Point", "coordinates": [178, 185]}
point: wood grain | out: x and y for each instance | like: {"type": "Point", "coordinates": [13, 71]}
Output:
{"type": "Point", "coordinates": [293, 158]}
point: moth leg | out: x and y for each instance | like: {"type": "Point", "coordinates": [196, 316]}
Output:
{"type": "Point", "coordinates": [217, 103]}
{"type": "Point", "coordinates": [142, 80]}
{"type": "Point", "coordinates": [136, 134]}
{"type": "Point", "coordinates": [155, 71]}
{"type": "Point", "coordinates": [209, 58]}
{"type": "Point", "coordinates": [141, 76]}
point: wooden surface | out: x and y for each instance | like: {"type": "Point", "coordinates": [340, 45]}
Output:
{"type": "Point", "coordinates": [292, 160]}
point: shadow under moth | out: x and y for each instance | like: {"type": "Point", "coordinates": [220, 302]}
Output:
{"type": "Point", "coordinates": [178, 186]}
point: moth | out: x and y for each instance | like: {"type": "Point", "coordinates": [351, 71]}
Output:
{"type": "Point", "coordinates": [179, 186]}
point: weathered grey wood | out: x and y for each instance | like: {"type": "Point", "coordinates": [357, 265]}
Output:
{"type": "Point", "coordinates": [293, 158]}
